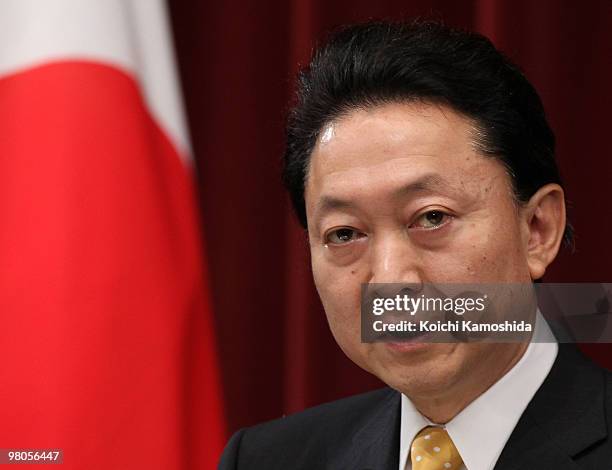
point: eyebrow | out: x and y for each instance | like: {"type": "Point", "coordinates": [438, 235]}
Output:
{"type": "Point", "coordinates": [425, 184]}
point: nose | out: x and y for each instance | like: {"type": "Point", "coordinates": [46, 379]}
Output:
{"type": "Point", "coordinates": [394, 260]}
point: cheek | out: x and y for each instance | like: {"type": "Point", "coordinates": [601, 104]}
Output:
{"type": "Point", "coordinates": [487, 251]}
{"type": "Point", "coordinates": [340, 291]}
{"type": "Point", "coordinates": [502, 255]}
{"type": "Point", "coordinates": [340, 297]}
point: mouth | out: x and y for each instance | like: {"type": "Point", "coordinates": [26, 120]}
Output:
{"type": "Point", "coordinates": [405, 341]}
{"type": "Point", "coordinates": [402, 336]}
{"type": "Point", "coordinates": [416, 344]}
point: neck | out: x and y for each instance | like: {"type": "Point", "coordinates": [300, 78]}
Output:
{"type": "Point", "coordinates": [441, 407]}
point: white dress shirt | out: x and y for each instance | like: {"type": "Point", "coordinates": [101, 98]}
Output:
{"type": "Point", "coordinates": [480, 431]}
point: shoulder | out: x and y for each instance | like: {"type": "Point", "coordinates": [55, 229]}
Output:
{"type": "Point", "coordinates": [304, 436]}
{"type": "Point", "coordinates": [574, 407]}
{"type": "Point", "coordinates": [574, 385]}
{"type": "Point", "coordinates": [336, 415]}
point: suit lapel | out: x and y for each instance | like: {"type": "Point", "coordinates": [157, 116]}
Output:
{"type": "Point", "coordinates": [375, 445]}
{"type": "Point", "coordinates": [565, 417]}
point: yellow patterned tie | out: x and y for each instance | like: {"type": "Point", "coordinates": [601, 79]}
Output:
{"type": "Point", "coordinates": [433, 449]}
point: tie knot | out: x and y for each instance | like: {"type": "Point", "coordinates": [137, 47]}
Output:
{"type": "Point", "coordinates": [433, 449]}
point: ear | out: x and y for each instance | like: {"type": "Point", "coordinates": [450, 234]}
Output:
{"type": "Point", "coordinates": [544, 223]}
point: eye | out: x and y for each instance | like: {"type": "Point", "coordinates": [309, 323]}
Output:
{"type": "Point", "coordinates": [342, 236]}
{"type": "Point", "coordinates": [432, 220]}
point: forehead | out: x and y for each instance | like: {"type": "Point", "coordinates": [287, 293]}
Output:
{"type": "Point", "coordinates": [384, 146]}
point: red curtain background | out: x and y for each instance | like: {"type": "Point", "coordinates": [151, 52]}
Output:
{"type": "Point", "coordinates": [238, 60]}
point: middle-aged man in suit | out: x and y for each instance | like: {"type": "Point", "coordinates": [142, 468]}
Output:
{"type": "Point", "coordinates": [419, 154]}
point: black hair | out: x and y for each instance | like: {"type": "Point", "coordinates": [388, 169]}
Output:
{"type": "Point", "coordinates": [380, 62]}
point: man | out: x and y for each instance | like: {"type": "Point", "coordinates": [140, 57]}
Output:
{"type": "Point", "coordinates": [418, 154]}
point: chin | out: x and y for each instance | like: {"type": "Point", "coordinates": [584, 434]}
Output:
{"type": "Point", "coordinates": [415, 386]}
{"type": "Point", "coordinates": [416, 373]}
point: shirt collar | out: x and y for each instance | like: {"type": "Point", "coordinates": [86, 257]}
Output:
{"type": "Point", "coordinates": [480, 431]}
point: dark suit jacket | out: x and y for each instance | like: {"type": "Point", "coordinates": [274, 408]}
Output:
{"type": "Point", "coordinates": [565, 426]}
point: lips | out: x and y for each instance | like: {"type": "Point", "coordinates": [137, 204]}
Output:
{"type": "Point", "coordinates": [402, 336]}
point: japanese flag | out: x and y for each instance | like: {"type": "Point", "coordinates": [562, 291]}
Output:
{"type": "Point", "coordinates": [106, 343]}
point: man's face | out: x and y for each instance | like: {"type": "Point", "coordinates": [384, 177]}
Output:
{"type": "Point", "coordinates": [400, 194]}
